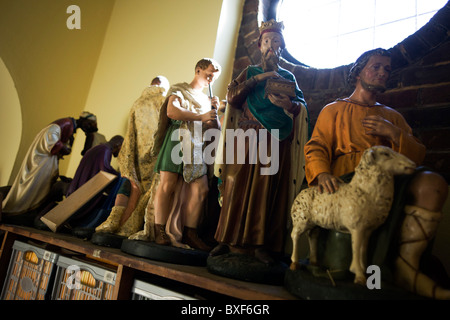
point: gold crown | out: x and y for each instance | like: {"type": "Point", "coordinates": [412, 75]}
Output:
{"type": "Point", "coordinates": [271, 25]}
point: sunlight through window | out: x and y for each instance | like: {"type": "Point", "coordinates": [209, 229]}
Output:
{"type": "Point", "coordinates": [331, 33]}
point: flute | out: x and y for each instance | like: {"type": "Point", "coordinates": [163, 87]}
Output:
{"type": "Point", "coordinates": [210, 93]}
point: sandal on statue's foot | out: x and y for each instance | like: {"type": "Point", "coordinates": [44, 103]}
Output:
{"type": "Point", "coordinates": [264, 256]}
{"type": "Point", "coordinates": [191, 238]}
{"type": "Point", "coordinates": [219, 250]}
{"type": "Point", "coordinates": [161, 236]}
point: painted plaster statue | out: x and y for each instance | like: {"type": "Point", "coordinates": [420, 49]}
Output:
{"type": "Point", "coordinates": [137, 160]}
{"type": "Point", "coordinates": [93, 139]}
{"type": "Point", "coordinates": [39, 168]}
{"type": "Point", "coordinates": [257, 193]}
{"type": "Point", "coordinates": [343, 131]}
{"type": "Point", "coordinates": [180, 196]}
{"type": "Point", "coordinates": [96, 159]}
{"type": "Point", "coordinates": [358, 207]}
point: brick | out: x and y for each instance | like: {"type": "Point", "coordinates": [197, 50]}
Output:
{"type": "Point", "coordinates": [439, 94]}
{"type": "Point", "coordinates": [399, 99]}
{"type": "Point", "coordinates": [435, 139]}
{"type": "Point", "coordinates": [441, 17]}
{"type": "Point", "coordinates": [394, 80]}
{"type": "Point", "coordinates": [440, 162]}
{"type": "Point", "coordinates": [251, 6]}
{"type": "Point", "coordinates": [322, 79]}
{"type": "Point", "coordinates": [318, 99]}
{"type": "Point", "coordinates": [251, 40]}
{"type": "Point", "coordinates": [398, 60]}
{"type": "Point", "coordinates": [255, 53]}
{"type": "Point", "coordinates": [438, 55]}
{"type": "Point", "coordinates": [431, 117]}
{"type": "Point", "coordinates": [338, 77]}
{"type": "Point", "coordinates": [432, 34]}
{"type": "Point", "coordinates": [415, 48]}
{"type": "Point", "coordinates": [249, 26]}
{"type": "Point", "coordinates": [241, 51]}
{"type": "Point", "coordinates": [419, 75]}
{"type": "Point", "coordinates": [305, 77]}
{"type": "Point", "coordinates": [241, 64]}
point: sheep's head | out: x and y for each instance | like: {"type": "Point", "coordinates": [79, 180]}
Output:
{"type": "Point", "coordinates": [389, 160]}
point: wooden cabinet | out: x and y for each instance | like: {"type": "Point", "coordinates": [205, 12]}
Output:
{"type": "Point", "coordinates": [128, 267]}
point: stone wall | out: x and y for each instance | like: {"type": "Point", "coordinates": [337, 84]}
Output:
{"type": "Point", "coordinates": [419, 87]}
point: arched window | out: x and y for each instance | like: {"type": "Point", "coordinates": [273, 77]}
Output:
{"type": "Point", "coordinates": [331, 33]}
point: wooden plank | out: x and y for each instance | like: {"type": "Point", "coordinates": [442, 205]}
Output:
{"type": "Point", "coordinates": [124, 283]}
{"type": "Point", "coordinates": [200, 277]}
{"type": "Point", "coordinates": [66, 208]}
{"type": "Point", "coordinates": [191, 275]}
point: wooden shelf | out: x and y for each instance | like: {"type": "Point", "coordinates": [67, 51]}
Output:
{"type": "Point", "coordinates": [128, 264]}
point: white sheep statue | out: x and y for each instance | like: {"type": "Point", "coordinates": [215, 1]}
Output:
{"type": "Point", "coordinates": [358, 207]}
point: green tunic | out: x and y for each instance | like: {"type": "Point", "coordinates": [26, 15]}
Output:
{"type": "Point", "coordinates": [164, 162]}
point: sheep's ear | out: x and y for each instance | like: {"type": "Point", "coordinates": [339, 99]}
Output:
{"type": "Point", "coordinates": [370, 156]}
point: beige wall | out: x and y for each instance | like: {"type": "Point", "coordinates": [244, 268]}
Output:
{"type": "Point", "coordinates": [104, 66]}
{"type": "Point", "coordinates": [146, 38]}
{"type": "Point", "coordinates": [10, 123]}
{"type": "Point", "coordinates": [226, 42]}
{"type": "Point", "coordinates": [51, 66]}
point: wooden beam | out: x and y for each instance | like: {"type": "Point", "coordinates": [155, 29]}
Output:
{"type": "Point", "coordinates": [124, 283]}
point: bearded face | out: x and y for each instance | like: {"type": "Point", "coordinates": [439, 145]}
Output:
{"type": "Point", "coordinates": [270, 60]}
{"type": "Point", "coordinates": [374, 75]}
{"type": "Point", "coordinates": [271, 46]}
{"type": "Point", "coordinates": [373, 88]}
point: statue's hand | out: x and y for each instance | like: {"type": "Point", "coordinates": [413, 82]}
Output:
{"type": "Point", "coordinates": [378, 126]}
{"type": "Point", "coordinates": [267, 75]}
{"type": "Point", "coordinates": [281, 100]}
{"type": "Point", "coordinates": [208, 116]}
{"type": "Point", "coordinates": [64, 151]}
{"type": "Point", "coordinates": [215, 102]}
{"type": "Point", "coordinates": [327, 182]}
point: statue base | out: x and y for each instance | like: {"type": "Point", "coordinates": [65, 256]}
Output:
{"type": "Point", "coordinates": [83, 233]}
{"type": "Point", "coordinates": [107, 239]}
{"type": "Point", "coordinates": [247, 268]}
{"type": "Point", "coordinates": [153, 251]}
{"type": "Point", "coordinates": [303, 284]}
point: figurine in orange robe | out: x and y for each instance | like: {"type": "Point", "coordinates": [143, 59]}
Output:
{"type": "Point", "coordinates": [344, 129]}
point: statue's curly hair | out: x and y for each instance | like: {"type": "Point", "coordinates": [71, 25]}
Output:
{"type": "Point", "coordinates": [205, 62]}
{"type": "Point", "coordinates": [362, 61]}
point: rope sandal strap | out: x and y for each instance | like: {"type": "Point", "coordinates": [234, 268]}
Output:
{"type": "Point", "coordinates": [427, 216]}
{"type": "Point", "coordinates": [416, 275]}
